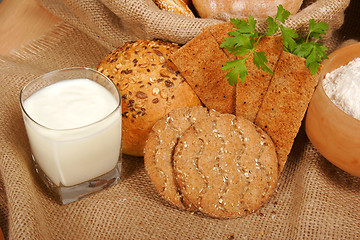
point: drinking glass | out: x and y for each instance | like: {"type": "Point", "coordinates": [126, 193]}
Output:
{"type": "Point", "coordinates": [75, 162]}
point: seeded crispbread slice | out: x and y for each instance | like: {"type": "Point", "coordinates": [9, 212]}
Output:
{"type": "Point", "coordinates": [225, 166]}
{"type": "Point", "coordinates": [285, 103]}
{"type": "Point", "coordinates": [250, 93]}
{"type": "Point", "coordinates": [200, 62]}
{"type": "Point", "coordinates": [220, 32]}
{"type": "Point", "coordinates": [159, 150]}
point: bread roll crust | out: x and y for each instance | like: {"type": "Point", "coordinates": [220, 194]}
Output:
{"type": "Point", "coordinates": [176, 6]}
{"type": "Point", "coordinates": [245, 8]}
{"type": "Point", "coordinates": [150, 87]}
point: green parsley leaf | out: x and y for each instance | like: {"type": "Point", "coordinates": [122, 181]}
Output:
{"type": "Point", "coordinates": [303, 50]}
{"type": "Point", "coordinates": [289, 36]}
{"type": "Point", "coordinates": [240, 51]}
{"type": "Point", "coordinates": [282, 14]}
{"type": "Point", "coordinates": [317, 29]}
{"type": "Point", "coordinates": [244, 26]}
{"type": "Point", "coordinates": [238, 67]}
{"type": "Point", "coordinates": [252, 24]}
{"type": "Point", "coordinates": [272, 27]}
{"type": "Point", "coordinates": [312, 62]}
{"type": "Point", "coordinates": [243, 41]}
{"type": "Point", "coordinates": [260, 61]}
{"type": "Point", "coordinates": [313, 52]}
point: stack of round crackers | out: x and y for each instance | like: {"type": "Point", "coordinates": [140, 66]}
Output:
{"type": "Point", "coordinates": [221, 165]}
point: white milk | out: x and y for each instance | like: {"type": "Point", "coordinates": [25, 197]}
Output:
{"type": "Point", "coordinates": [75, 139]}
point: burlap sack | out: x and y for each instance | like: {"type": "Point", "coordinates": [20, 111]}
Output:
{"type": "Point", "coordinates": [314, 199]}
{"type": "Point", "coordinates": [112, 23]}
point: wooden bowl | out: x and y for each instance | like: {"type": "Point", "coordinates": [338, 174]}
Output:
{"type": "Point", "coordinates": [335, 134]}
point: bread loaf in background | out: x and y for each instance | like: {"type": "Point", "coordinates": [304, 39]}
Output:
{"type": "Point", "coordinates": [176, 6]}
{"type": "Point", "coordinates": [150, 87]}
{"type": "Point", "coordinates": [244, 8]}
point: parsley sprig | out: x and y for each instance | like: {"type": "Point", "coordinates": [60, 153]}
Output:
{"type": "Point", "coordinates": [245, 38]}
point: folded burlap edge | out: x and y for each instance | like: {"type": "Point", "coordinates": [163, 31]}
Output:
{"type": "Point", "coordinates": [113, 23]}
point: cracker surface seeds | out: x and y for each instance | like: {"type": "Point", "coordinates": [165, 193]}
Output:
{"type": "Point", "coordinates": [159, 149]}
{"type": "Point", "coordinates": [226, 167]}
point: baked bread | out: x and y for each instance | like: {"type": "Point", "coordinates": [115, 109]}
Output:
{"type": "Point", "coordinates": [176, 6]}
{"type": "Point", "coordinates": [245, 8]}
{"type": "Point", "coordinates": [188, 2]}
{"type": "Point", "coordinates": [150, 86]}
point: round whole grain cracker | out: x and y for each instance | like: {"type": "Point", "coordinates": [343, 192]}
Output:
{"type": "Point", "coordinates": [159, 149]}
{"type": "Point", "coordinates": [225, 166]}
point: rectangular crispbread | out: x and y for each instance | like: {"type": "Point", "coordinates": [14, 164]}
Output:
{"type": "Point", "coordinates": [285, 103]}
{"type": "Point", "coordinates": [220, 32]}
{"type": "Point", "coordinates": [200, 62]}
{"type": "Point", "coordinates": [250, 93]}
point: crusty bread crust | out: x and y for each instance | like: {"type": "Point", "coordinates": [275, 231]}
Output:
{"type": "Point", "coordinates": [176, 6]}
{"type": "Point", "coordinates": [150, 87]}
{"type": "Point", "coordinates": [245, 8]}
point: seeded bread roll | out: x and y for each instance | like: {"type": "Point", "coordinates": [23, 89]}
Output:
{"type": "Point", "coordinates": [150, 86]}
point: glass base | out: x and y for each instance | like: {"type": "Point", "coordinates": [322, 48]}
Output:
{"type": "Point", "coordinates": [73, 193]}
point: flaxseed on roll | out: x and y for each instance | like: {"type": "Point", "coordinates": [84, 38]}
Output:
{"type": "Point", "coordinates": [150, 87]}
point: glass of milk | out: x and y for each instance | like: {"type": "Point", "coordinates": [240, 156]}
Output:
{"type": "Point", "coordinates": [73, 122]}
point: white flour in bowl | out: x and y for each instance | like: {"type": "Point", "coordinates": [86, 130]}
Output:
{"type": "Point", "coordinates": [343, 87]}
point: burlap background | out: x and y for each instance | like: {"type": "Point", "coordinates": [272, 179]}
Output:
{"type": "Point", "coordinates": [314, 199]}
